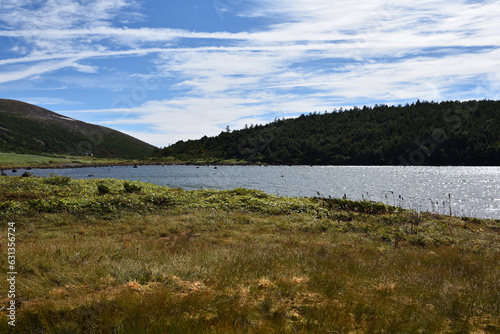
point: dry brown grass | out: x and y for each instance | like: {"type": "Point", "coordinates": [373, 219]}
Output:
{"type": "Point", "coordinates": [205, 270]}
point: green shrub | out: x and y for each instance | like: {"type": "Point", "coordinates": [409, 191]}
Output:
{"type": "Point", "coordinates": [103, 189]}
{"type": "Point", "coordinates": [57, 180]}
{"type": "Point", "coordinates": [131, 188]}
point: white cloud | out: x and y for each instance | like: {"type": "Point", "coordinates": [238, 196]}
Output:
{"type": "Point", "coordinates": [62, 14]}
{"type": "Point", "coordinates": [48, 101]}
{"type": "Point", "coordinates": [38, 69]}
{"type": "Point", "coordinates": [193, 117]}
{"type": "Point", "coordinates": [314, 55]}
{"type": "Point", "coordinates": [85, 68]}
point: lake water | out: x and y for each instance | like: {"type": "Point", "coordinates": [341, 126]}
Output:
{"type": "Point", "coordinates": [466, 191]}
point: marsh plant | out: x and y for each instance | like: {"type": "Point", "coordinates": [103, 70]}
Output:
{"type": "Point", "coordinates": [152, 259]}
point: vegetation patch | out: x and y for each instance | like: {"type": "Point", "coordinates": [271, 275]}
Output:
{"type": "Point", "coordinates": [141, 258]}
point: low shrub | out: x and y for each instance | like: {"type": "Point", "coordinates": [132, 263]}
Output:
{"type": "Point", "coordinates": [131, 188]}
{"type": "Point", "coordinates": [103, 189]}
{"type": "Point", "coordinates": [57, 180]}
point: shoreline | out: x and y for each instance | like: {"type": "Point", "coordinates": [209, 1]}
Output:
{"type": "Point", "coordinates": [125, 164]}
{"type": "Point", "coordinates": [77, 162]}
{"type": "Point", "coordinates": [142, 163]}
{"type": "Point", "coordinates": [19, 174]}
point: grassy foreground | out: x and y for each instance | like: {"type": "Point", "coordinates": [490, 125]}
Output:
{"type": "Point", "coordinates": [108, 256]}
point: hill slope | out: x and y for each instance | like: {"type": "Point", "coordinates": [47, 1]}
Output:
{"type": "Point", "coordinates": [423, 133]}
{"type": "Point", "coordinates": [25, 128]}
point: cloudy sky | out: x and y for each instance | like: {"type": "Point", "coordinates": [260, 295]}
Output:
{"type": "Point", "coordinates": [166, 70]}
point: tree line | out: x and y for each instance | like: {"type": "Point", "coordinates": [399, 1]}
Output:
{"type": "Point", "coordinates": [421, 133]}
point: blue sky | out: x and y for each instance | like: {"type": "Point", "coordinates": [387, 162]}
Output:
{"type": "Point", "coordinates": [169, 70]}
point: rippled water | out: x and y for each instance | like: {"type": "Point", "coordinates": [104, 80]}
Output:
{"type": "Point", "coordinates": [466, 191]}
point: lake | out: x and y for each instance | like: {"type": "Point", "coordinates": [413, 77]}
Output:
{"type": "Point", "coordinates": [465, 191]}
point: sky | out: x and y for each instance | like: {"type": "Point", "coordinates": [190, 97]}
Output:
{"type": "Point", "coordinates": [169, 70]}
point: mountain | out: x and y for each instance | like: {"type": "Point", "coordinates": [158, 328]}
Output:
{"type": "Point", "coordinates": [26, 128]}
{"type": "Point", "coordinates": [423, 133]}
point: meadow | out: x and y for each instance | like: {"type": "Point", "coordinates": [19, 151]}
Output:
{"type": "Point", "coordinates": [110, 256]}
{"type": "Point", "coordinates": [15, 160]}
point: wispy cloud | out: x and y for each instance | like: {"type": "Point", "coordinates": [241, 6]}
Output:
{"type": "Point", "coordinates": [48, 101]}
{"type": "Point", "coordinates": [63, 14]}
{"type": "Point", "coordinates": [300, 56]}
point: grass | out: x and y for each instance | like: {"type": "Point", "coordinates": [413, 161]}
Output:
{"type": "Point", "coordinates": [15, 160]}
{"type": "Point", "coordinates": [108, 256]}
{"type": "Point", "coordinates": [21, 160]}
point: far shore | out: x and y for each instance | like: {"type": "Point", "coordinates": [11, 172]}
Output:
{"type": "Point", "coordinates": [122, 164]}
{"type": "Point", "coordinates": [165, 163]}
{"type": "Point", "coordinates": [10, 161]}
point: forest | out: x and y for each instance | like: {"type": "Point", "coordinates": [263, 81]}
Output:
{"type": "Point", "coordinates": [422, 133]}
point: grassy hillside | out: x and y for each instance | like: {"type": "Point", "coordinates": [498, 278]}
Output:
{"type": "Point", "coordinates": [28, 129]}
{"type": "Point", "coordinates": [11, 160]}
{"type": "Point", "coordinates": [108, 256]}
{"type": "Point", "coordinates": [423, 133]}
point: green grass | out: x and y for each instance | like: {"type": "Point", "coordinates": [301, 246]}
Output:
{"type": "Point", "coordinates": [11, 160]}
{"type": "Point", "coordinates": [21, 160]}
{"type": "Point", "coordinates": [140, 258]}
{"type": "Point", "coordinates": [15, 160]}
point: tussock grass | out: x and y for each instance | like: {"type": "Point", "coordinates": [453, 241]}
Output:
{"type": "Point", "coordinates": [148, 259]}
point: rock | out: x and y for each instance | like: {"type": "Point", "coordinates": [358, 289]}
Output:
{"type": "Point", "coordinates": [26, 174]}
{"type": "Point", "coordinates": [14, 171]}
